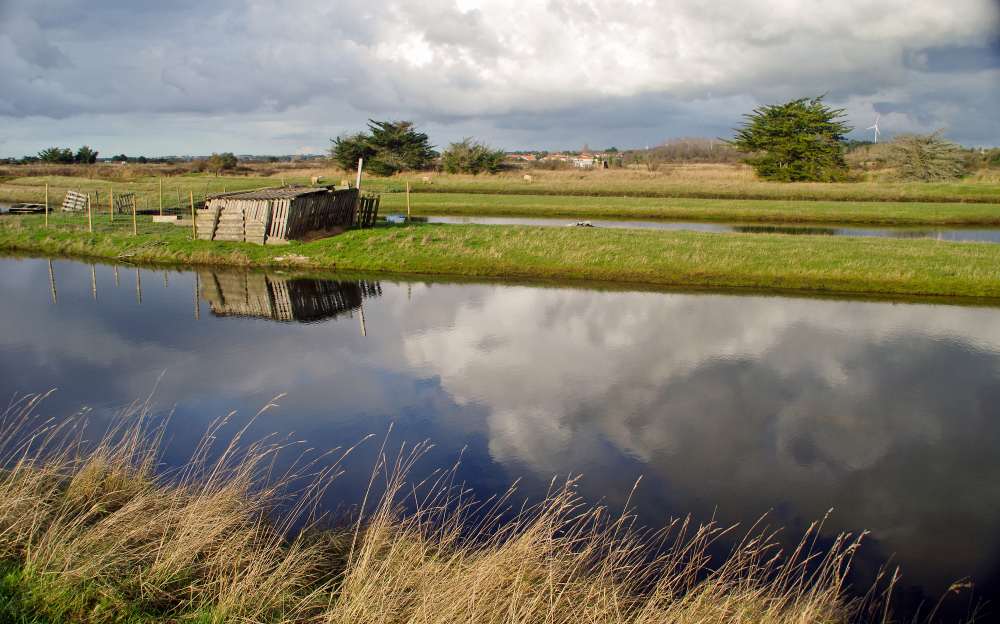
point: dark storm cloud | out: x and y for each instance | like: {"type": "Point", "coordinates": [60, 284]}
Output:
{"type": "Point", "coordinates": [259, 74]}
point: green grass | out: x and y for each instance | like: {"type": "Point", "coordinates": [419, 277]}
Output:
{"type": "Point", "coordinates": [745, 211]}
{"type": "Point", "coordinates": [837, 265]}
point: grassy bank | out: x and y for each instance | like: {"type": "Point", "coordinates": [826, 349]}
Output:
{"type": "Point", "coordinates": [861, 266]}
{"type": "Point", "coordinates": [744, 211]}
{"type": "Point", "coordinates": [97, 533]}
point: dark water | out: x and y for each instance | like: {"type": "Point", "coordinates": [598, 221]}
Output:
{"type": "Point", "coordinates": [732, 406]}
{"type": "Point", "coordinates": [986, 235]}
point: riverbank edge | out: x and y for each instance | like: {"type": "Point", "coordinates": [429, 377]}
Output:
{"type": "Point", "coordinates": [855, 267]}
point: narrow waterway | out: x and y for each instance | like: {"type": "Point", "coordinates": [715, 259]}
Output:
{"type": "Point", "coordinates": [988, 235]}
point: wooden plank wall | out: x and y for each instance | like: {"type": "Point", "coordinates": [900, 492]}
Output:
{"type": "Point", "coordinates": [367, 211]}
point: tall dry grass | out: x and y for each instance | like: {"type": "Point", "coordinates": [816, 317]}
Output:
{"type": "Point", "coordinates": [98, 530]}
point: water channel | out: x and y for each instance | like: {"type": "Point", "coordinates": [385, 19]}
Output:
{"type": "Point", "coordinates": [728, 406]}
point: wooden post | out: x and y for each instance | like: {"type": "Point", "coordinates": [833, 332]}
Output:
{"type": "Point", "coordinates": [135, 226]}
{"type": "Point", "coordinates": [90, 216]}
{"type": "Point", "coordinates": [194, 220]}
{"type": "Point", "coordinates": [52, 283]}
{"type": "Point", "coordinates": [407, 201]}
{"type": "Point", "coordinates": [361, 162]}
{"type": "Point", "coordinates": [178, 189]}
{"type": "Point", "coordinates": [97, 201]}
{"type": "Point", "coordinates": [161, 197]}
{"type": "Point", "coordinates": [111, 204]}
{"type": "Point", "coordinates": [47, 209]}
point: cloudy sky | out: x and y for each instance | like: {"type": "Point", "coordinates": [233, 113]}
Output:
{"type": "Point", "coordinates": [191, 76]}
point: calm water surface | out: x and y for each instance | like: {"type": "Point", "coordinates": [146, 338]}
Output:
{"type": "Point", "coordinates": [986, 235]}
{"type": "Point", "coordinates": [732, 406]}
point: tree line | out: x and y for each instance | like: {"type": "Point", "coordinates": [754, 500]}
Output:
{"type": "Point", "coordinates": [802, 140]}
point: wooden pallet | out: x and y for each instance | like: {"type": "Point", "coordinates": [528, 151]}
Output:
{"type": "Point", "coordinates": [75, 201]}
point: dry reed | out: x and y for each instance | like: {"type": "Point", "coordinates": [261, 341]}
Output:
{"type": "Point", "coordinates": [97, 530]}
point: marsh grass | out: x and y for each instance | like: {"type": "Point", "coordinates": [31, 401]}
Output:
{"type": "Point", "coordinates": [101, 532]}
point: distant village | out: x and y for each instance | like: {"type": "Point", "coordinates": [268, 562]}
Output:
{"type": "Point", "coordinates": [584, 159]}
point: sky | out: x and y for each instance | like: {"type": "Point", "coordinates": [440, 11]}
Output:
{"type": "Point", "coordinates": [247, 76]}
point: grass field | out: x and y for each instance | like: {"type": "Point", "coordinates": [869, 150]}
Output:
{"type": "Point", "coordinates": [735, 210]}
{"type": "Point", "coordinates": [731, 182]}
{"type": "Point", "coordinates": [514, 200]}
{"type": "Point", "coordinates": [705, 182]}
{"type": "Point", "coordinates": [837, 265]}
{"type": "Point", "coordinates": [93, 533]}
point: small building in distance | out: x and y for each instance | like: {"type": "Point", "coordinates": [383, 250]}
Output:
{"type": "Point", "coordinates": [277, 215]}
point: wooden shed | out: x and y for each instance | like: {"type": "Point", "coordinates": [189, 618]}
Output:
{"type": "Point", "coordinates": [277, 215]}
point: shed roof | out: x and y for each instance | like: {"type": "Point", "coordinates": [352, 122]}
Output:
{"type": "Point", "coordinates": [284, 192]}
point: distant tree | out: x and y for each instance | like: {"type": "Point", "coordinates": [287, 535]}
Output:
{"type": "Point", "coordinates": [388, 147]}
{"type": "Point", "coordinates": [468, 156]}
{"type": "Point", "coordinates": [56, 155]}
{"type": "Point", "coordinates": [801, 140]}
{"type": "Point", "coordinates": [926, 157]}
{"type": "Point", "coordinates": [142, 160]}
{"type": "Point", "coordinates": [119, 158]}
{"type": "Point", "coordinates": [222, 162]}
{"type": "Point", "coordinates": [85, 156]}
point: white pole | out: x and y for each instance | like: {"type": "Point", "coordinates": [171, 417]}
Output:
{"type": "Point", "coordinates": [357, 184]}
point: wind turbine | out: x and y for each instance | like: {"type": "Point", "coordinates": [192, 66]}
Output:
{"type": "Point", "coordinates": [874, 126]}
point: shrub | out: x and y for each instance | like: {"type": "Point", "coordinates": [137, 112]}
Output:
{"type": "Point", "coordinates": [468, 156]}
{"type": "Point", "coordinates": [926, 157]}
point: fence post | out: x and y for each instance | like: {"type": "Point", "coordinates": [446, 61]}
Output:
{"type": "Point", "coordinates": [194, 220]}
{"type": "Point", "coordinates": [111, 204]}
{"type": "Point", "coordinates": [135, 227]}
{"type": "Point", "coordinates": [361, 161]}
{"type": "Point", "coordinates": [90, 216]}
{"type": "Point", "coordinates": [407, 200]}
{"type": "Point", "coordinates": [46, 204]}
{"type": "Point", "coordinates": [161, 196]}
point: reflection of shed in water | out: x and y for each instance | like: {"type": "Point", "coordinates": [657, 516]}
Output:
{"type": "Point", "coordinates": [282, 298]}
